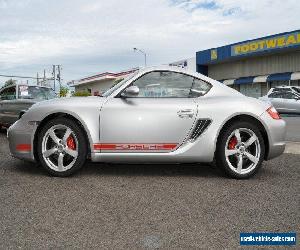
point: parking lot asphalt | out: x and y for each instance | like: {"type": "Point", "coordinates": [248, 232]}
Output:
{"type": "Point", "coordinates": [143, 206]}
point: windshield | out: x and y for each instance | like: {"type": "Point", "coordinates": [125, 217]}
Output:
{"type": "Point", "coordinates": [118, 85]}
{"type": "Point", "coordinates": [296, 89]}
{"type": "Point", "coordinates": [36, 92]}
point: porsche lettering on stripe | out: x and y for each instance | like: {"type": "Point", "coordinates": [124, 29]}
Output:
{"type": "Point", "coordinates": [135, 146]}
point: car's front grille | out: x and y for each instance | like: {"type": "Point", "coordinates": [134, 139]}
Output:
{"type": "Point", "coordinates": [200, 127]}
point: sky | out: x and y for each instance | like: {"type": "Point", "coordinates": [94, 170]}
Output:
{"type": "Point", "coordinates": [92, 36]}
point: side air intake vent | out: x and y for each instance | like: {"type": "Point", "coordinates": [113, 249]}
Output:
{"type": "Point", "coordinates": [200, 127]}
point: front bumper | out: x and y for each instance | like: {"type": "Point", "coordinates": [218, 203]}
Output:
{"type": "Point", "coordinates": [20, 137]}
{"type": "Point", "coordinates": [276, 130]}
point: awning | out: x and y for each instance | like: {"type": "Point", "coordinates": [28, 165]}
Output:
{"type": "Point", "coordinates": [244, 80]}
{"type": "Point", "coordinates": [258, 79]}
{"type": "Point", "coordinates": [264, 78]}
{"type": "Point", "coordinates": [295, 76]}
{"type": "Point", "coordinates": [229, 82]}
{"type": "Point", "coordinates": [279, 77]}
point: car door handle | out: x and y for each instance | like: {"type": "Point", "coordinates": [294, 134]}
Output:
{"type": "Point", "coordinates": [185, 113]}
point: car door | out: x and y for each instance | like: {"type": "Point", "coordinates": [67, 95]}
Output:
{"type": "Point", "coordinates": [2, 98]}
{"type": "Point", "coordinates": [291, 102]}
{"type": "Point", "coordinates": [8, 112]}
{"type": "Point", "coordinates": [158, 119]}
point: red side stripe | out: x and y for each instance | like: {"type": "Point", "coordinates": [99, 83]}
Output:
{"type": "Point", "coordinates": [23, 147]}
{"type": "Point", "coordinates": [170, 146]}
{"type": "Point", "coordinates": [135, 146]}
{"type": "Point", "coordinates": [104, 146]}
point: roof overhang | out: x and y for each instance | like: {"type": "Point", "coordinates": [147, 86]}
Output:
{"type": "Point", "coordinates": [102, 77]}
{"type": "Point", "coordinates": [279, 43]}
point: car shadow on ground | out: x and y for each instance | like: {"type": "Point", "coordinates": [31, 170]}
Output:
{"type": "Point", "coordinates": [105, 169]}
{"type": "Point", "coordinates": [91, 170]}
{"type": "Point", "coordinates": [200, 170]}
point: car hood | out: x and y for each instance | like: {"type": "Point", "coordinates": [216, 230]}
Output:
{"type": "Point", "coordinates": [67, 101]}
{"type": "Point", "coordinates": [69, 105]}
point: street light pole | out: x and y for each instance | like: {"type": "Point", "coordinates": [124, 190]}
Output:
{"type": "Point", "coordinates": [144, 53]}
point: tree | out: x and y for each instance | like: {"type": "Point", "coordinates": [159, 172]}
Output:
{"type": "Point", "coordinates": [9, 82]}
{"type": "Point", "coordinates": [63, 91]}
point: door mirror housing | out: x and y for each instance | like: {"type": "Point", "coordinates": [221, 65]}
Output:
{"type": "Point", "coordinates": [131, 91]}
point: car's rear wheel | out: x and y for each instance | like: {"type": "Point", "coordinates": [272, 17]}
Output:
{"type": "Point", "coordinates": [240, 150]}
{"type": "Point", "coordinates": [62, 147]}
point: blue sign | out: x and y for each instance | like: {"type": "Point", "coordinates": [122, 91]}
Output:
{"type": "Point", "coordinates": [268, 239]}
{"type": "Point", "coordinates": [275, 42]}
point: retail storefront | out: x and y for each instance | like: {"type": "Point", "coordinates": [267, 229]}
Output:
{"type": "Point", "coordinates": [254, 66]}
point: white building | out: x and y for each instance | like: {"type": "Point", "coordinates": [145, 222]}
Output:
{"type": "Point", "coordinates": [188, 64]}
{"type": "Point", "coordinates": [99, 83]}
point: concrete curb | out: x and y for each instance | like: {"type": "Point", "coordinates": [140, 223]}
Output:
{"type": "Point", "coordinates": [292, 148]}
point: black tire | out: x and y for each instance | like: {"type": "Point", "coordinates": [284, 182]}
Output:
{"type": "Point", "coordinates": [82, 146]}
{"type": "Point", "coordinates": [220, 156]}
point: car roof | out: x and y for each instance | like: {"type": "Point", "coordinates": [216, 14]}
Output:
{"type": "Point", "coordinates": [289, 91]}
{"type": "Point", "coordinates": [23, 84]}
{"type": "Point", "coordinates": [285, 87]}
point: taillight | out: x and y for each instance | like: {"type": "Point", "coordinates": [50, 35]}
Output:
{"type": "Point", "coordinates": [273, 113]}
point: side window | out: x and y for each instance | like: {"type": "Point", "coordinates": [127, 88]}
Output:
{"type": "Point", "coordinates": [162, 84]}
{"type": "Point", "coordinates": [288, 95]}
{"type": "Point", "coordinates": [275, 95]}
{"type": "Point", "coordinates": [297, 89]}
{"type": "Point", "coordinates": [199, 88]}
{"type": "Point", "coordinates": [10, 93]}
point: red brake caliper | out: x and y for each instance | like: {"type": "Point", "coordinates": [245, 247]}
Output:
{"type": "Point", "coordinates": [71, 143]}
{"type": "Point", "coordinates": [232, 143]}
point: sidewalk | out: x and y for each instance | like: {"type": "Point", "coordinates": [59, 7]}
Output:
{"type": "Point", "coordinates": [292, 148]}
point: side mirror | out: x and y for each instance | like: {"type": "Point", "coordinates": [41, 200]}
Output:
{"type": "Point", "coordinates": [131, 91]}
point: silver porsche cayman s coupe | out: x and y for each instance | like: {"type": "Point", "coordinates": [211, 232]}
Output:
{"type": "Point", "coordinates": [156, 115]}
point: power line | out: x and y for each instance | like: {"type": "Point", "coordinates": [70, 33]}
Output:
{"type": "Point", "coordinates": [26, 77]}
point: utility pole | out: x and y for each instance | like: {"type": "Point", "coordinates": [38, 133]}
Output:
{"type": "Point", "coordinates": [44, 80]}
{"type": "Point", "coordinates": [54, 76]}
{"type": "Point", "coordinates": [58, 76]}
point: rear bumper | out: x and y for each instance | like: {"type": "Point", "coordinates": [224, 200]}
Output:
{"type": "Point", "coordinates": [276, 130]}
{"type": "Point", "coordinates": [20, 137]}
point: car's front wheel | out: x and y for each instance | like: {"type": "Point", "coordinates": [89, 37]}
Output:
{"type": "Point", "coordinates": [240, 150]}
{"type": "Point", "coordinates": [62, 147]}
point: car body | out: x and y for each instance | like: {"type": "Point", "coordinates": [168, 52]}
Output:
{"type": "Point", "coordinates": [156, 115]}
{"type": "Point", "coordinates": [294, 89]}
{"type": "Point", "coordinates": [286, 102]}
{"type": "Point", "coordinates": [15, 99]}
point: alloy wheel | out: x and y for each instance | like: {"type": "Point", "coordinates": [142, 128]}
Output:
{"type": "Point", "coordinates": [60, 148]}
{"type": "Point", "coordinates": [242, 150]}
